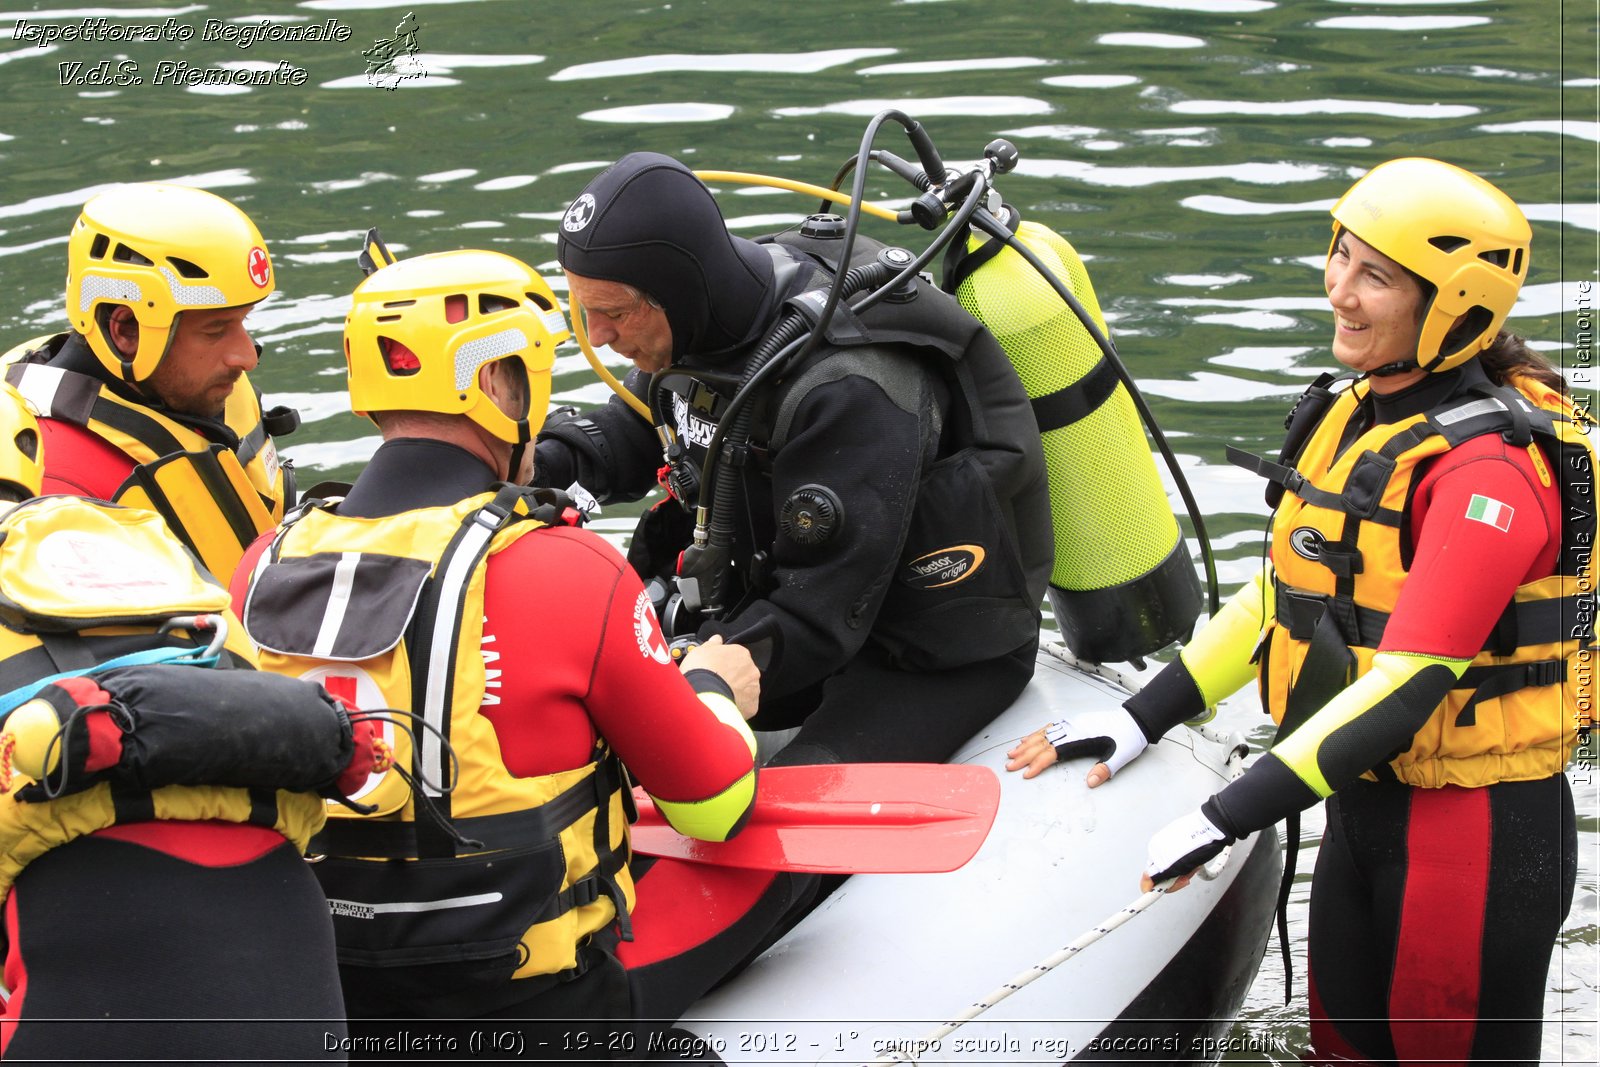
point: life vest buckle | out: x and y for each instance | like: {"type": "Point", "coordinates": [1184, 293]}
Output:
{"type": "Point", "coordinates": [1545, 672]}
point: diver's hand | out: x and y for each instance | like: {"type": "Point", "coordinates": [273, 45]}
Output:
{"type": "Point", "coordinates": [1111, 737]}
{"type": "Point", "coordinates": [731, 663]}
{"type": "Point", "coordinates": [1180, 848]}
{"type": "Point", "coordinates": [1032, 754]}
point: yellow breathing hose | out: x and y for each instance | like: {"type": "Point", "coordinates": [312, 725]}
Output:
{"type": "Point", "coordinates": [582, 334]}
{"type": "Point", "coordinates": [738, 178]}
{"type": "Point", "coordinates": [742, 178]}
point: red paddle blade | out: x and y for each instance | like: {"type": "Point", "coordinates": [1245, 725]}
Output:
{"type": "Point", "coordinates": [850, 818]}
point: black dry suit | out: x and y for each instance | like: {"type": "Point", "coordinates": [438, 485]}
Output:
{"type": "Point", "coordinates": [893, 496]}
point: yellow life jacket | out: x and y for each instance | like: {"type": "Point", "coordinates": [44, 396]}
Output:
{"type": "Point", "coordinates": [388, 613]}
{"type": "Point", "coordinates": [83, 583]}
{"type": "Point", "coordinates": [215, 498]}
{"type": "Point", "coordinates": [1340, 562]}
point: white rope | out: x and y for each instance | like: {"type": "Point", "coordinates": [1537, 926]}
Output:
{"type": "Point", "coordinates": [1235, 764]}
{"type": "Point", "coordinates": [1037, 971]}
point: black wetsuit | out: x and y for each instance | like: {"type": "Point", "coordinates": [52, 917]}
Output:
{"type": "Point", "coordinates": [123, 950]}
{"type": "Point", "coordinates": [915, 621]}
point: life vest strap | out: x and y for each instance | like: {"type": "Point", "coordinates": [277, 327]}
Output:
{"type": "Point", "coordinates": [608, 779]}
{"type": "Point", "coordinates": [587, 890]}
{"type": "Point", "coordinates": [263, 807]}
{"type": "Point", "coordinates": [431, 649]}
{"type": "Point", "coordinates": [1531, 622]}
{"type": "Point", "coordinates": [383, 839]}
{"type": "Point", "coordinates": [1498, 680]}
{"type": "Point", "coordinates": [1299, 612]}
{"type": "Point", "coordinates": [131, 803]}
{"type": "Point", "coordinates": [69, 652]}
{"type": "Point", "coordinates": [1358, 499]}
{"type": "Point", "coordinates": [1325, 671]}
{"type": "Point", "coordinates": [205, 465]}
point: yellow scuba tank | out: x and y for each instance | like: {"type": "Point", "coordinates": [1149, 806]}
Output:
{"type": "Point", "coordinates": [1123, 584]}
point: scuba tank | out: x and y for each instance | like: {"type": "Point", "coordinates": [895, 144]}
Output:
{"type": "Point", "coordinates": [1123, 585]}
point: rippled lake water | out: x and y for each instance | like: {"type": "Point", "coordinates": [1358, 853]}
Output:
{"type": "Point", "coordinates": [1190, 149]}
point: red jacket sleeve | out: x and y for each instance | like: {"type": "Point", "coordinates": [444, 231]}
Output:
{"type": "Point", "coordinates": [1483, 523]}
{"type": "Point", "coordinates": [574, 649]}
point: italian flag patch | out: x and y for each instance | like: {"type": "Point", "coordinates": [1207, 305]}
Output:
{"type": "Point", "coordinates": [1488, 510]}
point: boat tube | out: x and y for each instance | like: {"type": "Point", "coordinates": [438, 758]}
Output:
{"type": "Point", "coordinates": [880, 969]}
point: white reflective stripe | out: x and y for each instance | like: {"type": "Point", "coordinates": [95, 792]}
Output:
{"type": "Point", "coordinates": [435, 700]}
{"type": "Point", "coordinates": [94, 287]}
{"type": "Point", "coordinates": [1469, 410]}
{"type": "Point", "coordinates": [344, 580]}
{"type": "Point", "coordinates": [186, 295]}
{"type": "Point", "coordinates": [474, 354]}
{"type": "Point", "coordinates": [415, 905]}
{"type": "Point", "coordinates": [38, 385]}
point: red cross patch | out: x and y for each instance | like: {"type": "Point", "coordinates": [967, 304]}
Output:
{"type": "Point", "coordinates": [258, 266]}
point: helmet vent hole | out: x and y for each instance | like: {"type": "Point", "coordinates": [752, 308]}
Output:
{"type": "Point", "coordinates": [28, 444]}
{"type": "Point", "coordinates": [1498, 256]}
{"type": "Point", "coordinates": [1516, 263]}
{"type": "Point", "coordinates": [1447, 243]}
{"type": "Point", "coordinates": [540, 302]}
{"type": "Point", "coordinates": [124, 254]}
{"type": "Point", "coordinates": [489, 303]}
{"type": "Point", "coordinates": [97, 250]}
{"type": "Point", "coordinates": [401, 361]}
{"type": "Point", "coordinates": [186, 268]}
{"type": "Point", "coordinates": [455, 307]}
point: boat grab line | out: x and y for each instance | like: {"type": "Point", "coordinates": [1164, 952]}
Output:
{"type": "Point", "coordinates": [1238, 749]}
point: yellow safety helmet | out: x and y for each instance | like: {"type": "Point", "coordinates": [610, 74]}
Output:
{"type": "Point", "coordinates": [419, 329]}
{"type": "Point", "coordinates": [159, 249]}
{"type": "Point", "coordinates": [21, 448]}
{"type": "Point", "coordinates": [1455, 231]}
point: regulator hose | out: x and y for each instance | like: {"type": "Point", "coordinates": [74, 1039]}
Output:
{"type": "Point", "coordinates": [706, 558]}
{"type": "Point", "coordinates": [705, 562]}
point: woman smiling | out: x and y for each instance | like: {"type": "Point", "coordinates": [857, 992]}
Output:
{"type": "Point", "coordinates": [1422, 634]}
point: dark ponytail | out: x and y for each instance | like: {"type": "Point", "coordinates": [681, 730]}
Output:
{"type": "Point", "coordinates": [1510, 354]}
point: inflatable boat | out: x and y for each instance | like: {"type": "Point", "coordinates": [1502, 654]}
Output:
{"type": "Point", "coordinates": [888, 966]}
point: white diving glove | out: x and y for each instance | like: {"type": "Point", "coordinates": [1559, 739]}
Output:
{"type": "Point", "coordinates": [1110, 737]}
{"type": "Point", "coordinates": [1185, 843]}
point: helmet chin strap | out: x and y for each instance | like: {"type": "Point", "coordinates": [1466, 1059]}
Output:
{"type": "Point", "coordinates": [1389, 370]}
{"type": "Point", "coordinates": [518, 449]}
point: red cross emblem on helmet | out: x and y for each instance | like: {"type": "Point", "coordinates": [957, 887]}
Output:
{"type": "Point", "coordinates": [260, 269]}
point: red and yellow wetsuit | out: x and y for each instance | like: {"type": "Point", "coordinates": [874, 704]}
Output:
{"type": "Point", "coordinates": [216, 482]}
{"type": "Point", "coordinates": [1421, 628]}
{"type": "Point", "coordinates": [561, 672]}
